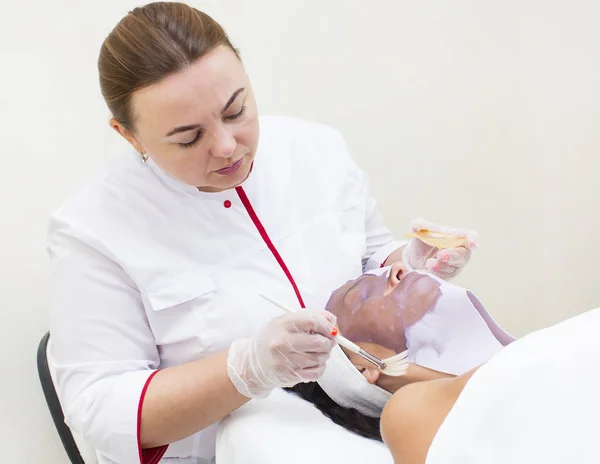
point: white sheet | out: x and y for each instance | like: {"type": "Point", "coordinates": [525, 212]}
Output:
{"type": "Point", "coordinates": [286, 429]}
{"type": "Point", "coordinates": [537, 401]}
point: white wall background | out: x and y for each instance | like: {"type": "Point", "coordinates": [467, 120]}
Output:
{"type": "Point", "coordinates": [478, 114]}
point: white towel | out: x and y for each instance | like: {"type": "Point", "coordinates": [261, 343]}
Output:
{"type": "Point", "coordinates": [345, 385]}
{"type": "Point", "coordinates": [534, 402]}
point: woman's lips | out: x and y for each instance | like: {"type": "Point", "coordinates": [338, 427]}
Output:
{"type": "Point", "coordinates": [231, 168]}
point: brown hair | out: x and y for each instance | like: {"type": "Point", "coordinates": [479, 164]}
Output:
{"type": "Point", "coordinates": [149, 44]}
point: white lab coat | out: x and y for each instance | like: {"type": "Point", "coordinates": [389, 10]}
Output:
{"type": "Point", "coordinates": [149, 273]}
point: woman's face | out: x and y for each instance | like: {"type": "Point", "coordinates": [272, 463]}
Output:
{"type": "Point", "coordinates": [200, 125]}
{"type": "Point", "coordinates": [370, 310]}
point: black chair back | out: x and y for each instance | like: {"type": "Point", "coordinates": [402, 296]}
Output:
{"type": "Point", "coordinates": [53, 404]}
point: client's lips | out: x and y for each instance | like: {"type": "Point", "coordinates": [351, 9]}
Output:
{"type": "Point", "coordinates": [231, 168]}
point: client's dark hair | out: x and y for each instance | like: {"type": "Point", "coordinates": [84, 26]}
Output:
{"type": "Point", "coordinates": [350, 419]}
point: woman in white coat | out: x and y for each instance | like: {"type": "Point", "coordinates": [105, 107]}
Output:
{"type": "Point", "coordinates": [157, 328]}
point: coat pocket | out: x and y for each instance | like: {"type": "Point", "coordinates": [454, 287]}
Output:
{"type": "Point", "coordinates": [181, 290]}
{"type": "Point", "coordinates": [177, 312]}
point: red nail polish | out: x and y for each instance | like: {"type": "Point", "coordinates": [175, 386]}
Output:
{"type": "Point", "coordinates": [334, 332]}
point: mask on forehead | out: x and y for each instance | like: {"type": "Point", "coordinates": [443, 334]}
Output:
{"type": "Point", "coordinates": [368, 311]}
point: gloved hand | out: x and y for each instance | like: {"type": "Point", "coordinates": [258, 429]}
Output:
{"type": "Point", "coordinates": [446, 263]}
{"type": "Point", "coordinates": [290, 349]}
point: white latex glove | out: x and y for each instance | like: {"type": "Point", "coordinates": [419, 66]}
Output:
{"type": "Point", "coordinates": [446, 263]}
{"type": "Point", "coordinates": [290, 349]}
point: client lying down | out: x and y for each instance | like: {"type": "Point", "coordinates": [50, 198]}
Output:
{"type": "Point", "coordinates": [444, 327]}
{"type": "Point", "coordinates": [448, 335]}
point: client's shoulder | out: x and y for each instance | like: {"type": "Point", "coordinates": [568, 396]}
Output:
{"type": "Point", "coordinates": [413, 416]}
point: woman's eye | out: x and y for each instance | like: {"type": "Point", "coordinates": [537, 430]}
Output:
{"type": "Point", "coordinates": [192, 142]}
{"type": "Point", "coordinates": [196, 139]}
{"type": "Point", "coordinates": [240, 113]}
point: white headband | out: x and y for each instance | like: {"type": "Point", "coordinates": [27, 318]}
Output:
{"type": "Point", "coordinates": [345, 385]}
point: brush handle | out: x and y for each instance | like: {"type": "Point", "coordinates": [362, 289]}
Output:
{"type": "Point", "coordinates": [343, 341]}
{"type": "Point", "coordinates": [278, 304]}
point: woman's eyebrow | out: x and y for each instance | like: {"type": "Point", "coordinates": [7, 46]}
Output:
{"type": "Point", "coordinates": [190, 127]}
{"type": "Point", "coordinates": [232, 98]}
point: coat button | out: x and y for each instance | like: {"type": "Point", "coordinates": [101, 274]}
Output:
{"type": "Point", "coordinates": [227, 204]}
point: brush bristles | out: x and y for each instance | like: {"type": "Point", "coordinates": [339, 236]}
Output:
{"type": "Point", "coordinates": [396, 365]}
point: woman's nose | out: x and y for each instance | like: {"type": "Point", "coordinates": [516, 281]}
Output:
{"type": "Point", "coordinates": [223, 144]}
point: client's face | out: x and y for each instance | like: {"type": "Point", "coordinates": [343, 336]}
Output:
{"type": "Point", "coordinates": [375, 311]}
{"type": "Point", "coordinates": [370, 310]}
